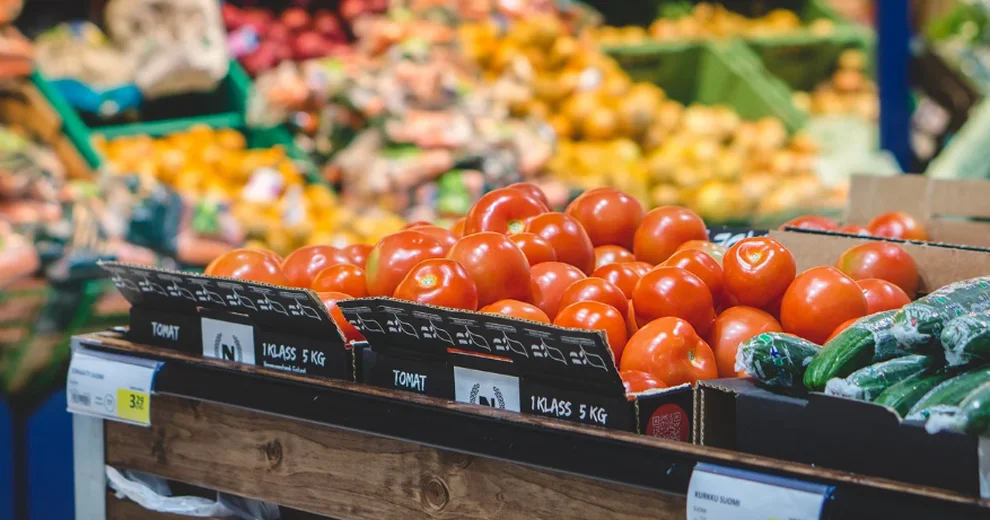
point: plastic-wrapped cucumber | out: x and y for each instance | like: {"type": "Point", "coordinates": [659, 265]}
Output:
{"type": "Point", "coordinates": [945, 398]}
{"type": "Point", "coordinates": [918, 325]}
{"type": "Point", "coordinates": [967, 339]}
{"type": "Point", "coordinates": [775, 358]}
{"type": "Point", "coordinates": [869, 382]}
{"type": "Point", "coordinates": [903, 396]}
{"type": "Point", "coordinates": [972, 416]}
{"type": "Point", "coordinates": [851, 350]}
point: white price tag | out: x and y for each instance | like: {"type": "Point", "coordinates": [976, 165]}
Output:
{"type": "Point", "coordinates": [485, 388]}
{"type": "Point", "coordinates": [111, 386]}
{"type": "Point", "coordinates": [717, 493]}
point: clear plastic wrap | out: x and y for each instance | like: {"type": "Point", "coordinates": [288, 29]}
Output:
{"type": "Point", "coordinates": [775, 358]}
{"type": "Point", "coordinates": [869, 382]}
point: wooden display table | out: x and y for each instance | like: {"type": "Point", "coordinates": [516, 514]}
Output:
{"type": "Point", "coordinates": [349, 451]}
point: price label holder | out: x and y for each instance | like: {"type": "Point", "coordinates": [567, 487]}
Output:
{"type": "Point", "coordinates": [718, 493]}
{"type": "Point", "coordinates": [111, 386]}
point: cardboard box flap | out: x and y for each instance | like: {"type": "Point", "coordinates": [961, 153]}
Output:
{"type": "Point", "coordinates": [925, 198]}
{"type": "Point", "coordinates": [298, 311]}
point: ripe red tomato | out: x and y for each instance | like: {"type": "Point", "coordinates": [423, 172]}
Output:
{"type": "Point", "coordinates": [716, 251]}
{"type": "Point", "coordinates": [703, 266]}
{"type": "Point", "coordinates": [549, 280]}
{"type": "Point", "coordinates": [608, 215]}
{"type": "Point", "coordinates": [394, 256]}
{"type": "Point", "coordinates": [757, 271]}
{"type": "Point", "coordinates": [517, 309]}
{"type": "Point", "coordinates": [502, 211]}
{"type": "Point", "coordinates": [623, 276]}
{"type": "Point", "coordinates": [882, 295]}
{"type": "Point", "coordinates": [897, 224]}
{"type": "Point", "coordinates": [418, 223]}
{"type": "Point", "coordinates": [732, 327]}
{"type": "Point", "coordinates": [330, 299]}
{"type": "Point", "coordinates": [344, 278]}
{"type": "Point", "coordinates": [818, 301]}
{"type": "Point", "coordinates": [663, 230]}
{"type": "Point", "coordinates": [444, 236]}
{"type": "Point", "coordinates": [670, 350]}
{"type": "Point", "coordinates": [536, 249]}
{"type": "Point", "coordinates": [812, 222]}
{"type": "Point", "coordinates": [854, 229]}
{"type": "Point", "coordinates": [883, 260]}
{"type": "Point", "coordinates": [594, 289]}
{"type": "Point", "coordinates": [568, 238]}
{"type": "Point", "coordinates": [838, 330]}
{"type": "Point", "coordinates": [304, 263]}
{"type": "Point", "coordinates": [672, 291]}
{"type": "Point", "coordinates": [497, 266]}
{"type": "Point", "coordinates": [636, 382]}
{"type": "Point", "coordinates": [248, 265]}
{"type": "Point", "coordinates": [458, 228]}
{"type": "Point", "coordinates": [641, 267]}
{"type": "Point", "coordinates": [269, 253]}
{"type": "Point", "coordinates": [358, 254]}
{"type": "Point", "coordinates": [439, 282]}
{"type": "Point", "coordinates": [606, 255]}
{"type": "Point", "coordinates": [533, 191]}
{"type": "Point", "coordinates": [631, 325]}
{"type": "Point", "coordinates": [591, 315]}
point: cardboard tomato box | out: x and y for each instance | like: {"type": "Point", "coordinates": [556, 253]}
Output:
{"type": "Point", "coordinates": [847, 434]}
{"type": "Point", "coordinates": [272, 327]}
{"type": "Point", "coordinates": [510, 364]}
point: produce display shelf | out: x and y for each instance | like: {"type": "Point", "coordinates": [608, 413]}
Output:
{"type": "Point", "coordinates": [347, 450]}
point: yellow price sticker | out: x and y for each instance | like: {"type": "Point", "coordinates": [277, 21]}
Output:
{"type": "Point", "coordinates": [133, 406]}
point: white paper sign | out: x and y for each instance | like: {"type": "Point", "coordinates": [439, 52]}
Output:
{"type": "Point", "coordinates": [111, 386]}
{"type": "Point", "coordinates": [228, 341]}
{"type": "Point", "coordinates": [485, 388]}
{"type": "Point", "coordinates": [717, 493]}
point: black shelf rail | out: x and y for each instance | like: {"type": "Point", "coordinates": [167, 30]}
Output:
{"type": "Point", "coordinates": [619, 457]}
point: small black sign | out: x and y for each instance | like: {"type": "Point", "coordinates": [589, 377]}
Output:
{"type": "Point", "coordinates": [728, 236]}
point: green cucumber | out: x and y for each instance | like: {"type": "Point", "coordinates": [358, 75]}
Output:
{"type": "Point", "coordinates": [902, 396]}
{"type": "Point", "coordinates": [918, 325]}
{"type": "Point", "coordinates": [972, 416]}
{"type": "Point", "coordinates": [967, 339]}
{"type": "Point", "coordinates": [869, 382]}
{"type": "Point", "coordinates": [947, 396]}
{"type": "Point", "coordinates": [775, 358]}
{"type": "Point", "coordinates": [851, 350]}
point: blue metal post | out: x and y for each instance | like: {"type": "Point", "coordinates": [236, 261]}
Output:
{"type": "Point", "coordinates": [893, 55]}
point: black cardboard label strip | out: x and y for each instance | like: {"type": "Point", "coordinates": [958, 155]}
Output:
{"type": "Point", "coordinates": [728, 236]}
{"type": "Point", "coordinates": [580, 407]}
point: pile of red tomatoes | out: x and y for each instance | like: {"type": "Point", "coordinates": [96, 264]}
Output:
{"type": "Point", "coordinates": [672, 305]}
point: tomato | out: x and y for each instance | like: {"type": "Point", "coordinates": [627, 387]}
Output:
{"type": "Point", "coordinates": [838, 330]}
{"type": "Point", "coordinates": [330, 299]}
{"type": "Point", "coordinates": [670, 350]}
{"type": "Point", "coordinates": [418, 223]}
{"type": "Point", "coordinates": [606, 255]}
{"type": "Point", "coordinates": [716, 251]}
{"type": "Point", "coordinates": [304, 263]}
{"type": "Point", "coordinates": [533, 191]}
{"type": "Point", "coordinates": [818, 301]}
{"type": "Point", "coordinates": [394, 256]}
{"type": "Point", "coordinates": [854, 229]}
{"type": "Point", "coordinates": [502, 211]}
{"type": "Point", "coordinates": [608, 215]}
{"type": "Point", "coordinates": [641, 267]}
{"type": "Point", "coordinates": [636, 382]}
{"type": "Point", "coordinates": [536, 249]}
{"type": "Point", "coordinates": [663, 230]}
{"type": "Point", "coordinates": [569, 240]}
{"type": "Point", "coordinates": [882, 295]}
{"type": "Point", "coordinates": [812, 222]}
{"type": "Point", "coordinates": [594, 289]}
{"type": "Point", "coordinates": [344, 278]}
{"type": "Point", "coordinates": [439, 282]}
{"type": "Point", "coordinates": [248, 265]}
{"type": "Point", "coordinates": [358, 254]}
{"type": "Point", "coordinates": [269, 253]}
{"type": "Point", "coordinates": [458, 228]}
{"type": "Point", "coordinates": [549, 280]}
{"type": "Point", "coordinates": [757, 271]}
{"type": "Point", "coordinates": [897, 224]}
{"type": "Point", "coordinates": [703, 266]}
{"type": "Point", "coordinates": [631, 325]}
{"type": "Point", "coordinates": [672, 291]}
{"type": "Point", "coordinates": [497, 266]}
{"type": "Point", "coordinates": [623, 276]}
{"type": "Point", "coordinates": [732, 327]}
{"type": "Point", "coordinates": [444, 236]}
{"type": "Point", "coordinates": [517, 309]}
{"type": "Point", "coordinates": [591, 315]}
{"type": "Point", "coordinates": [883, 260]}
